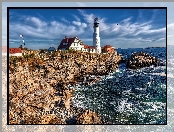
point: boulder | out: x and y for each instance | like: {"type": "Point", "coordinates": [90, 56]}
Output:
{"type": "Point", "coordinates": [89, 117]}
{"type": "Point", "coordinates": [141, 59]}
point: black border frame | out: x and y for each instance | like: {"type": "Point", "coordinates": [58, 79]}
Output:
{"type": "Point", "coordinates": [8, 8]}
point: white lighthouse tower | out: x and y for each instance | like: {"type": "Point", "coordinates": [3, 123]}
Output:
{"type": "Point", "coordinates": [96, 38]}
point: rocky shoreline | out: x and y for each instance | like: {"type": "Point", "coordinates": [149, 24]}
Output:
{"type": "Point", "coordinates": [38, 93]}
{"type": "Point", "coordinates": [142, 59]}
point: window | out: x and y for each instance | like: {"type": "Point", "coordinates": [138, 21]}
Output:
{"type": "Point", "coordinates": [65, 43]}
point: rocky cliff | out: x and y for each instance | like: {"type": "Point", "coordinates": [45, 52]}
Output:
{"type": "Point", "coordinates": [37, 85]}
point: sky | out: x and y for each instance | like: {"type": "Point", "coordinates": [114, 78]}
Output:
{"type": "Point", "coordinates": [44, 28]}
{"type": "Point", "coordinates": [121, 28]}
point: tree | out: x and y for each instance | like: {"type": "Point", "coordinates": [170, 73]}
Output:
{"type": "Point", "coordinates": [25, 48]}
{"type": "Point", "coordinates": [20, 46]}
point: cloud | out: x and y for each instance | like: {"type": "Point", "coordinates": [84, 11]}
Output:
{"type": "Point", "coordinates": [37, 28]}
{"type": "Point", "coordinates": [123, 32]}
{"type": "Point", "coordinates": [141, 18]}
{"type": "Point", "coordinates": [89, 18]}
{"type": "Point", "coordinates": [76, 17]}
{"type": "Point", "coordinates": [64, 20]}
{"type": "Point", "coordinates": [76, 23]}
{"type": "Point", "coordinates": [160, 39]}
{"type": "Point", "coordinates": [83, 25]}
{"type": "Point", "coordinates": [41, 16]}
{"type": "Point", "coordinates": [36, 22]}
{"type": "Point", "coordinates": [127, 20]}
{"type": "Point", "coordinates": [146, 30]}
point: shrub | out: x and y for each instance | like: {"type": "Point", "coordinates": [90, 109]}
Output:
{"type": "Point", "coordinates": [24, 55]}
{"type": "Point", "coordinates": [31, 55]}
{"type": "Point", "coordinates": [13, 60]}
{"type": "Point", "coordinates": [71, 51]}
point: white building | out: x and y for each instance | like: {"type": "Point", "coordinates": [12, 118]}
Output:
{"type": "Point", "coordinates": [96, 37]}
{"type": "Point", "coordinates": [71, 43]}
{"type": "Point", "coordinates": [76, 44]}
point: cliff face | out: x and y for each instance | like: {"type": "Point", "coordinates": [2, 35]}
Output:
{"type": "Point", "coordinates": [37, 83]}
{"type": "Point", "coordinates": [71, 67]}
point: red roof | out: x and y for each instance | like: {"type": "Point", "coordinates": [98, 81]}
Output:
{"type": "Point", "coordinates": [15, 50]}
{"type": "Point", "coordinates": [85, 46]}
{"type": "Point", "coordinates": [91, 47]}
{"type": "Point", "coordinates": [69, 40]}
{"type": "Point", "coordinates": [108, 46]}
{"type": "Point", "coordinates": [4, 49]}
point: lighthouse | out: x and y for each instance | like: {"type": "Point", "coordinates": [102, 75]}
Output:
{"type": "Point", "coordinates": [96, 37]}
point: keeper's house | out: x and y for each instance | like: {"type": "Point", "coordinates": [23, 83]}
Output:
{"type": "Point", "coordinates": [76, 44]}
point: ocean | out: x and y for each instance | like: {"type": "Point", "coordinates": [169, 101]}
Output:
{"type": "Point", "coordinates": [128, 96]}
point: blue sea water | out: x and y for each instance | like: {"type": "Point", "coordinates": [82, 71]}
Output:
{"type": "Point", "coordinates": [128, 96]}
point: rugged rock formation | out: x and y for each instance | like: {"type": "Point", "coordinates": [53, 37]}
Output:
{"type": "Point", "coordinates": [38, 84]}
{"type": "Point", "coordinates": [141, 59]}
{"type": "Point", "coordinates": [51, 119]}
